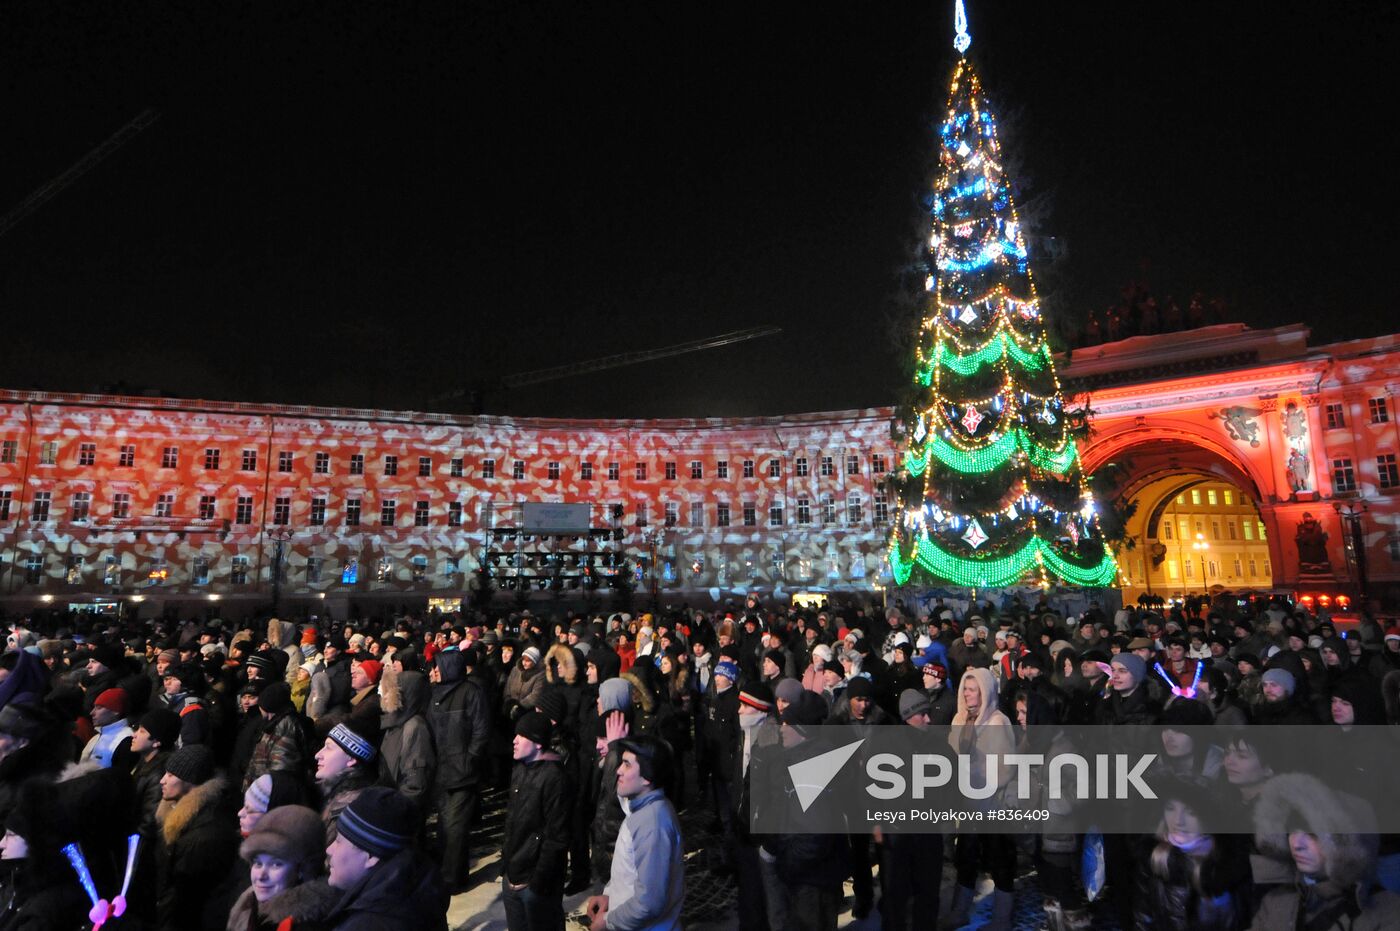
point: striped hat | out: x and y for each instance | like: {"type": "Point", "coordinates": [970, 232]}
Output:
{"type": "Point", "coordinates": [352, 743]}
{"type": "Point", "coordinates": [757, 695]}
{"type": "Point", "coordinates": [380, 821]}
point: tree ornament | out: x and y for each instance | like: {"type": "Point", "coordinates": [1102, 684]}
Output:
{"type": "Point", "coordinates": [975, 535]}
{"type": "Point", "coordinates": [971, 420]}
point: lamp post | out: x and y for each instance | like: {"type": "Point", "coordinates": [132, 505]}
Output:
{"type": "Point", "coordinates": [1350, 515]}
{"type": "Point", "coordinates": [1202, 547]}
{"type": "Point", "coordinates": [651, 537]}
{"type": "Point", "coordinates": [280, 536]}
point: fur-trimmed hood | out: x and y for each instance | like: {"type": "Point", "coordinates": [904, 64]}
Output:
{"type": "Point", "coordinates": [282, 634]}
{"type": "Point", "coordinates": [175, 816]}
{"type": "Point", "coordinates": [642, 697]}
{"type": "Point", "coordinates": [1342, 823]}
{"type": "Point", "coordinates": [308, 903]}
{"type": "Point", "coordinates": [561, 657]}
{"type": "Point", "coordinates": [987, 685]}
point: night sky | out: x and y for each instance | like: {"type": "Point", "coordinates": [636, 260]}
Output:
{"type": "Point", "coordinates": [371, 204]}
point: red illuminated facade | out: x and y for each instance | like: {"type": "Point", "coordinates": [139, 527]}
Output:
{"type": "Point", "coordinates": [188, 501]}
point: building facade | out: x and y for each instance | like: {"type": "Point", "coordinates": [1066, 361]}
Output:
{"type": "Point", "coordinates": [185, 503]}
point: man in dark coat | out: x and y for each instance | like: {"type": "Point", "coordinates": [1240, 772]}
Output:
{"type": "Point", "coordinates": [459, 718]}
{"type": "Point", "coordinates": [385, 885]}
{"type": "Point", "coordinates": [535, 844]}
{"type": "Point", "coordinates": [197, 843]}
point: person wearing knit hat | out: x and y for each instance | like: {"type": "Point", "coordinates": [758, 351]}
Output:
{"type": "Point", "coordinates": [1135, 668]}
{"type": "Point", "coordinates": [345, 765]}
{"type": "Point", "coordinates": [459, 717]}
{"type": "Point", "coordinates": [113, 738]}
{"type": "Point", "coordinates": [282, 745]}
{"type": "Point", "coordinates": [1278, 685]}
{"type": "Point", "coordinates": [757, 696]}
{"type": "Point", "coordinates": [383, 881]}
{"type": "Point", "coordinates": [199, 838]}
{"type": "Point", "coordinates": [269, 791]}
{"type": "Point", "coordinates": [913, 705]}
{"type": "Point", "coordinates": [183, 694]}
{"type": "Point", "coordinates": [1128, 700]}
{"type": "Point", "coordinates": [787, 692]}
{"type": "Point", "coordinates": [535, 841]}
{"type": "Point", "coordinates": [285, 855]}
{"type": "Point", "coordinates": [727, 670]}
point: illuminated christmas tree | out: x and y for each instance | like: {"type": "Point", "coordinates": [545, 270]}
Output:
{"type": "Point", "coordinates": [990, 484]}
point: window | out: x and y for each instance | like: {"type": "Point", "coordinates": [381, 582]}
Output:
{"type": "Point", "coordinates": [1166, 530]}
{"type": "Point", "coordinates": [1380, 411]}
{"type": "Point", "coordinates": [882, 508]}
{"type": "Point", "coordinates": [1195, 496]}
{"type": "Point", "coordinates": [552, 471]}
{"type": "Point", "coordinates": [1253, 567]}
{"type": "Point", "coordinates": [800, 465]}
{"type": "Point", "coordinates": [391, 465]}
{"type": "Point", "coordinates": [877, 463]}
{"type": "Point", "coordinates": [451, 567]}
{"type": "Point", "coordinates": [697, 514]}
{"type": "Point", "coordinates": [9, 451]}
{"type": "Point", "coordinates": [1173, 571]}
{"type": "Point", "coordinates": [317, 516]}
{"type": "Point", "coordinates": [357, 464]}
{"type": "Point", "coordinates": [243, 510]}
{"type": "Point", "coordinates": [641, 471]}
{"type": "Point", "coordinates": [1386, 472]}
{"type": "Point", "coordinates": [211, 459]}
{"type": "Point", "coordinates": [1239, 569]}
{"type": "Point", "coordinates": [1210, 497]}
{"type": "Point", "coordinates": [697, 469]}
{"type": "Point", "coordinates": [777, 562]}
{"type": "Point", "coordinates": [121, 505]}
{"type": "Point", "coordinates": [488, 515]}
{"type": "Point", "coordinates": [285, 460]}
{"type": "Point", "coordinates": [455, 468]}
{"type": "Point", "coordinates": [199, 570]}
{"type": "Point", "coordinates": [585, 471]}
{"type": "Point", "coordinates": [250, 461]}
{"type": "Point", "coordinates": [350, 571]}
{"type": "Point", "coordinates": [672, 514]}
{"type": "Point", "coordinates": [206, 507]}
{"type": "Point", "coordinates": [322, 464]}
{"type": "Point", "coordinates": [352, 512]}
{"type": "Point", "coordinates": [238, 571]}
{"type": "Point", "coordinates": [1185, 530]}
{"type": "Point", "coordinates": [854, 509]}
{"type": "Point", "coordinates": [112, 571]}
{"type": "Point", "coordinates": [488, 468]}
{"type": "Point", "coordinates": [165, 505]}
{"type": "Point", "coordinates": [1267, 571]}
{"type": "Point", "coordinates": [87, 454]}
{"type": "Point", "coordinates": [517, 469]}
{"type": "Point", "coordinates": [1229, 497]}
{"type": "Point", "coordinates": [1261, 530]}
{"type": "Point", "coordinates": [126, 457]}
{"type": "Point", "coordinates": [418, 567]}
{"type": "Point", "coordinates": [775, 468]}
{"type": "Point", "coordinates": [388, 510]}
{"type": "Point", "coordinates": [1190, 568]}
{"type": "Point", "coordinates": [425, 466]}
{"type": "Point", "coordinates": [282, 511]}
{"type": "Point", "coordinates": [384, 569]}
{"type": "Point", "coordinates": [722, 468]}
{"type": "Point", "coordinates": [48, 452]}
{"type": "Point", "coordinates": [775, 513]}
{"type": "Point", "coordinates": [1343, 476]}
{"type": "Point", "coordinates": [454, 513]}
{"type": "Point", "coordinates": [170, 457]}
{"type": "Point", "coordinates": [828, 509]}
{"type": "Point", "coordinates": [1336, 416]}
{"type": "Point", "coordinates": [828, 468]}
{"type": "Point", "coordinates": [804, 511]}
{"type": "Point", "coordinates": [313, 568]}
{"type": "Point", "coordinates": [641, 513]}
{"type": "Point", "coordinates": [750, 514]}
{"type": "Point", "coordinates": [7, 500]}
{"type": "Point", "coordinates": [670, 471]}
{"type": "Point", "coordinates": [1248, 527]}
{"type": "Point", "coordinates": [852, 465]}
{"type": "Point", "coordinates": [1215, 530]}
{"type": "Point", "coordinates": [33, 570]}
{"type": "Point", "coordinates": [722, 514]}
{"type": "Point", "coordinates": [1180, 499]}
{"type": "Point", "coordinates": [420, 513]}
{"type": "Point", "coordinates": [81, 505]}
{"type": "Point", "coordinates": [748, 468]}
{"type": "Point", "coordinates": [1232, 529]}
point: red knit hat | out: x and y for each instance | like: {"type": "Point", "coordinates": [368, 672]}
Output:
{"type": "Point", "coordinates": [372, 669]}
{"type": "Point", "coordinates": [308, 637]}
{"type": "Point", "coordinates": [113, 700]}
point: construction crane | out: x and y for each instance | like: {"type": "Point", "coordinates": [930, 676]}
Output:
{"type": "Point", "coordinates": [603, 363]}
{"type": "Point", "coordinates": [43, 194]}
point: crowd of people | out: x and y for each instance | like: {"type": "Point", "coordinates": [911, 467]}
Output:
{"type": "Point", "coordinates": [310, 775]}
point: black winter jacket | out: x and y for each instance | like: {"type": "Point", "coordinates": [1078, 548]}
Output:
{"type": "Point", "coordinates": [535, 846]}
{"type": "Point", "coordinates": [461, 725]}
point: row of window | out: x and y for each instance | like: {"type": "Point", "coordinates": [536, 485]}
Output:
{"type": "Point", "coordinates": [1378, 409]}
{"type": "Point", "coordinates": [1233, 529]}
{"type": "Point", "coordinates": [321, 463]}
{"type": "Point", "coordinates": [1211, 498]}
{"type": "Point", "coordinates": [1211, 567]}
{"type": "Point", "coordinates": [1344, 473]}
{"type": "Point", "coordinates": [80, 509]}
{"type": "Point", "coordinates": [238, 574]}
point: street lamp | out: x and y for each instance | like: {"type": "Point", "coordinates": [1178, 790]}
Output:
{"type": "Point", "coordinates": [280, 536]}
{"type": "Point", "coordinates": [1350, 515]}
{"type": "Point", "coordinates": [1202, 547]}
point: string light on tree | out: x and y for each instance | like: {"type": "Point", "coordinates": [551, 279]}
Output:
{"type": "Point", "coordinates": [996, 502]}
